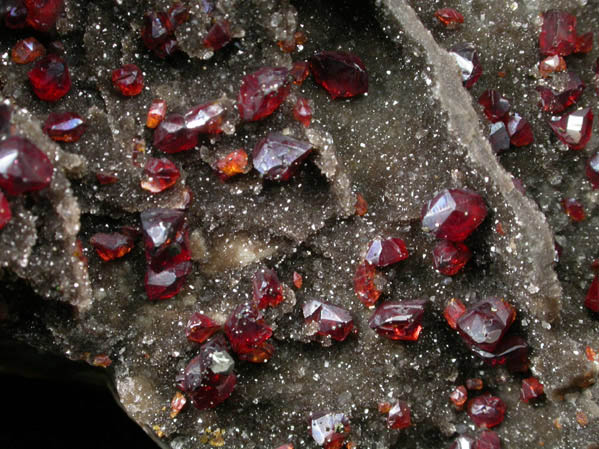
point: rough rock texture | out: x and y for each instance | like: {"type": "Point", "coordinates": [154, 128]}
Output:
{"type": "Point", "coordinates": [416, 132]}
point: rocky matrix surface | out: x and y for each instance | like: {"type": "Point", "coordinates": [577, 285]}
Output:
{"type": "Point", "coordinates": [149, 220]}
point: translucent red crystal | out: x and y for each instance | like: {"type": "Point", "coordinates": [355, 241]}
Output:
{"type": "Point", "coordinates": [449, 258]}
{"type": "Point", "coordinates": [177, 14]}
{"type": "Point", "coordinates": [458, 397]}
{"type": "Point", "coordinates": [267, 289]}
{"type": "Point", "coordinates": [23, 166]}
{"type": "Point", "coordinates": [160, 174]}
{"type": "Point", "coordinates": [467, 59]}
{"type": "Point", "coordinates": [453, 311]}
{"type": "Point", "coordinates": [330, 320]}
{"type": "Point", "coordinates": [531, 389]}
{"type": "Point", "coordinates": [50, 78]}
{"type": "Point", "coordinates": [484, 324]}
{"type": "Point", "coordinates": [399, 416]}
{"type": "Point", "coordinates": [64, 126]}
{"type": "Point", "coordinates": [365, 284]}
{"type": "Point", "coordinates": [512, 351]}
{"type": "Point", "coordinates": [219, 35]}
{"type": "Point", "coordinates": [341, 74]}
{"type": "Point", "coordinates": [499, 137]}
{"type": "Point", "coordinates": [574, 209]}
{"type": "Point", "coordinates": [5, 114]}
{"type": "Point", "coordinates": [329, 430]}
{"type": "Point", "coordinates": [128, 80]}
{"type": "Point", "coordinates": [157, 34]}
{"type": "Point", "coordinates": [200, 328]}
{"type": "Point", "coordinates": [584, 43]}
{"type": "Point", "coordinates": [246, 329]}
{"type": "Point", "coordinates": [488, 440]}
{"type": "Point", "coordinates": [167, 282]}
{"type": "Point", "coordinates": [5, 212]}
{"type": "Point", "coordinates": [262, 92]}
{"type": "Point", "coordinates": [565, 90]}
{"type": "Point", "coordinates": [278, 157]}
{"type": "Point", "coordinates": [361, 205]}
{"type": "Point", "coordinates": [558, 33]}
{"type": "Point", "coordinates": [206, 118]}
{"type": "Point", "coordinates": [496, 107]}
{"type": "Point", "coordinates": [552, 64]}
{"type": "Point", "coordinates": [591, 301]}
{"type": "Point", "coordinates": [449, 18]}
{"type": "Point", "coordinates": [299, 72]}
{"type": "Point", "coordinates": [234, 163]}
{"type": "Point", "coordinates": [156, 113]}
{"type": "Point", "coordinates": [173, 136]}
{"type": "Point", "coordinates": [519, 130]}
{"type": "Point", "coordinates": [574, 129]}
{"type": "Point", "coordinates": [592, 170]}
{"type": "Point", "coordinates": [486, 410]}
{"type": "Point", "coordinates": [302, 111]}
{"type": "Point", "coordinates": [297, 280]}
{"type": "Point", "coordinates": [27, 50]}
{"type": "Point", "coordinates": [382, 253]}
{"type": "Point", "coordinates": [43, 14]}
{"type": "Point", "coordinates": [453, 214]}
{"type": "Point", "coordinates": [399, 320]}
{"type": "Point", "coordinates": [111, 246]}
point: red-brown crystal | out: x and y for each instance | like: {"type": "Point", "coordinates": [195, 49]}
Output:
{"type": "Point", "coordinates": [486, 411]}
{"type": "Point", "coordinates": [558, 33]}
{"type": "Point", "coordinates": [206, 118]}
{"type": "Point", "coordinates": [16, 15]}
{"type": "Point", "coordinates": [200, 328]}
{"type": "Point", "coordinates": [564, 92]}
{"type": "Point", "coordinates": [106, 178]}
{"type": "Point", "coordinates": [458, 397]}
{"type": "Point", "coordinates": [331, 320]}
{"type": "Point", "coordinates": [219, 35]}
{"type": "Point", "coordinates": [267, 289]}
{"type": "Point", "coordinates": [23, 166]}
{"type": "Point", "coordinates": [592, 170]}
{"type": "Point", "coordinates": [262, 92]}
{"type": "Point", "coordinates": [160, 174]}
{"type": "Point", "coordinates": [399, 416]}
{"type": "Point", "coordinates": [246, 329]}
{"type": "Point", "coordinates": [453, 311]}
{"type": "Point", "coordinates": [173, 136]}
{"type": "Point", "coordinates": [177, 403]}
{"type": "Point", "coordinates": [64, 126]}
{"type": "Point", "coordinates": [329, 430]}
{"type": "Point", "coordinates": [449, 18]}
{"type": "Point", "coordinates": [485, 323]}
{"type": "Point", "coordinates": [302, 111]}
{"type": "Point", "coordinates": [531, 389]}
{"type": "Point", "coordinates": [50, 78]}
{"type": "Point", "coordinates": [27, 50]}
{"type": "Point", "coordinates": [591, 301]}
{"type": "Point", "coordinates": [399, 320]}
{"type": "Point", "coordinates": [278, 157]}
{"type": "Point", "coordinates": [299, 72]}
{"type": "Point", "coordinates": [519, 130]}
{"type": "Point", "coordinates": [5, 212]}
{"type": "Point", "coordinates": [382, 253]}
{"type": "Point", "coordinates": [156, 113]}
{"type": "Point", "coordinates": [155, 32]}
{"type": "Point", "coordinates": [297, 280]}
{"type": "Point", "coordinates": [361, 205]}
{"type": "Point", "coordinates": [449, 258]}
{"type": "Point", "coordinates": [111, 246]}
{"type": "Point", "coordinates": [574, 209]}
{"type": "Point", "coordinates": [234, 163]}
{"type": "Point", "coordinates": [552, 64]}
{"type": "Point", "coordinates": [365, 284]}
{"type": "Point", "coordinates": [574, 129]}
{"type": "Point", "coordinates": [496, 107]}
{"type": "Point", "coordinates": [512, 351]}
{"type": "Point", "coordinates": [42, 14]}
{"type": "Point", "coordinates": [128, 80]}
{"type": "Point", "coordinates": [341, 74]}
{"type": "Point", "coordinates": [168, 282]}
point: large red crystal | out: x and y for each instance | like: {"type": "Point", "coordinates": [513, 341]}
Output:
{"type": "Point", "coordinates": [50, 78]}
{"type": "Point", "coordinates": [262, 92]}
{"type": "Point", "coordinates": [23, 166]}
{"type": "Point", "coordinates": [173, 136]}
{"type": "Point", "coordinates": [200, 328]}
{"type": "Point", "coordinates": [27, 50]}
{"type": "Point", "coordinates": [64, 126]}
{"type": "Point", "coordinates": [278, 157]}
{"type": "Point", "coordinates": [42, 14]}
{"type": "Point", "coordinates": [495, 105]}
{"type": "Point", "coordinates": [330, 320]}
{"type": "Point", "coordinates": [111, 246]}
{"type": "Point", "coordinates": [246, 329]}
{"type": "Point", "coordinates": [5, 213]}
{"type": "Point", "coordinates": [206, 118]}
{"type": "Point", "coordinates": [399, 416]}
{"type": "Point", "coordinates": [341, 74]}
{"type": "Point", "coordinates": [565, 90]}
{"type": "Point", "coordinates": [519, 130]}
{"type": "Point", "coordinates": [486, 410]}
{"type": "Point", "coordinates": [467, 59]}
{"type": "Point", "coordinates": [449, 258]}
{"type": "Point", "coordinates": [329, 430]}
{"type": "Point", "coordinates": [160, 174]}
{"type": "Point", "coordinates": [531, 389]}
{"type": "Point", "coordinates": [128, 80]}
{"type": "Point", "coordinates": [399, 320]}
{"type": "Point", "coordinates": [485, 323]}
{"type": "Point", "coordinates": [366, 285]}
{"type": "Point", "coordinates": [454, 214]}
{"type": "Point", "coordinates": [574, 129]}
{"type": "Point", "coordinates": [592, 170]}
{"type": "Point", "coordinates": [267, 289]}
{"type": "Point", "coordinates": [558, 34]}
{"type": "Point", "coordinates": [591, 301]}
{"type": "Point", "coordinates": [219, 35]}
{"type": "Point", "coordinates": [382, 253]}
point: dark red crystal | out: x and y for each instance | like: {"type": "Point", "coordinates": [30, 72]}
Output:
{"type": "Point", "coordinates": [50, 78]}
{"type": "Point", "coordinates": [341, 74]}
{"type": "Point", "coordinates": [499, 137]}
{"type": "Point", "coordinates": [206, 118]}
{"type": "Point", "coordinates": [267, 289]}
{"type": "Point", "coordinates": [64, 126]}
{"type": "Point", "coordinates": [219, 35]}
{"type": "Point", "coordinates": [449, 258]}
{"type": "Point", "coordinates": [262, 92]}
{"type": "Point", "coordinates": [160, 174]}
{"type": "Point", "coordinates": [496, 107]}
{"type": "Point", "coordinates": [155, 32]}
{"type": "Point", "coordinates": [574, 129]}
{"type": "Point", "coordinates": [128, 80]}
{"type": "Point", "coordinates": [398, 320]}
{"type": "Point", "coordinates": [302, 112]}
{"type": "Point", "coordinates": [474, 383]}
{"type": "Point", "coordinates": [23, 166]}
{"type": "Point", "coordinates": [106, 178]}
{"type": "Point", "coordinates": [399, 416]}
{"type": "Point", "coordinates": [558, 33]}
{"type": "Point", "coordinates": [42, 14]}
{"type": "Point", "coordinates": [16, 15]}
{"type": "Point", "coordinates": [168, 282]}
{"type": "Point", "coordinates": [200, 328]}
{"type": "Point", "coordinates": [382, 253]}
{"type": "Point", "coordinates": [27, 50]}
{"type": "Point", "coordinates": [592, 170]}
{"type": "Point", "coordinates": [5, 114]}
{"type": "Point", "coordinates": [299, 72]}
{"type": "Point", "coordinates": [173, 136]}
{"type": "Point", "coordinates": [111, 246]}
{"type": "Point", "coordinates": [584, 43]}
{"type": "Point", "coordinates": [591, 301]}
{"type": "Point", "coordinates": [467, 59]}
{"type": "Point", "coordinates": [453, 311]}
{"type": "Point", "coordinates": [5, 213]}
{"type": "Point", "coordinates": [574, 209]}
{"type": "Point", "coordinates": [486, 410]}
{"type": "Point", "coordinates": [365, 284]}
{"type": "Point", "coordinates": [488, 440]}
{"type": "Point", "coordinates": [531, 389]}
{"type": "Point", "coordinates": [246, 329]}
{"type": "Point", "coordinates": [330, 320]}
{"type": "Point", "coordinates": [449, 18]}
{"type": "Point", "coordinates": [484, 324]}
{"type": "Point", "coordinates": [519, 130]}
{"type": "Point", "coordinates": [565, 90]}
{"type": "Point", "coordinates": [166, 238]}
{"type": "Point", "coordinates": [278, 157]}
{"type": "Point", "coordinates": [329, 430]}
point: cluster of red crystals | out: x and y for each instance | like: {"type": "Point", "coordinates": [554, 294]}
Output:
{"type": "Point", "coordinates": [449, 258]}
{"type": "Point", "coordinates": [474, 384]}
{"type": "Point", "coordinates": [453, 311]}
{"type": "Point", "coordinates": [111, 246]}
{"type": "Point", "coordinates": [298, 280]}
{"type": "Point", "coordinates": [382, 253]}
{"type": "Point", "coordinates": [248, 333]}
{"type": "Point", "coordinates": [128, 80]}
{"type": "Point", "coordinates": [5, 213]}
{"type": "Point", "coordinates": [519, 130]}
{"type": "Point", "coordinates": [302, 111]}
{"type": "Point", "coordinates": [486, 410]}
{"type": "Point", "coordinates": [399, 416]}
{"type": "Point", "coordinates": [167, 252]}
{"type": "Point", "coordinates": [209, 378]}
{"type": "Point", "coordinates": [42, 14]}
{"type": "Point", "coordinates": [567, 90]}
{"type": "Point", "coordinates": [219, 35]}
{"type": "Point", "coordinates": [484, 324]}
{"type": "Point", "coordinates": [449, 18]}
{"type": "Point", "coordinates": [341, 74]}
{"type": "Point", "coordinates": [267, 289]}
{"type": "Point", "coordinates": [23, 167]}
{"type": "Point", "coordinates": [574, 129]}
{"type": "Point", "coordinates": [591, 301]}
{"type": "Point", "coordinates": [496, 107]}
{"type": "Point", "coordinates": [467, 59]}
{"type": "Point", "coordinates": [458, 397]}
{"type": "Point", "coordinates": [329, 430]}
{"type": "Point", "coordinates": [160, 174]}
{"type": "Point", "coordinates": [106, 178]}
{"type": "Point", "coordinates": [262, 92]}
{"type": "Point", "coordinates": [234, 163]}
{"type": "Point", "coordinates": [454, 214]}
{"type": "Point", "coordinates": [552, 64]}
{"type": "Point", "coordinates": [365, 284]}
{"type": "Point", "coordinates": [200, 328]}
{"type": "Point", "coordinates": [27, 50]}
{"type": "Point", "coordinates": [50, 78]}
{"type": "Point", "coordinates": [399, 320]}
{"type": "Point", "coordinates": [156, 113]}
{"type": "Point", "coordinates": [361, 205]}
{"type": "Point", "coordinates": [499, 137]}
{"type": "Point", "coordinates": [158, 30]}
{"type": "Point", "coordinates": [559, 36]}
{"type": "Point", "coordinates": [173, 136]}
{"type": "Point", "coordinates": [592, 170]}
{"type": "Point", "coordinates": [278, 157]}
{"type": "Point", "coordinates": [330, 320]}
{"type": "Point", "coordinates": [64, 126]}
{"type": "Point", "coordinates": [531, 389]}
{"type": "Point", "coordinates": [573, 209]}
{"type": "Point", "coordinates": [299, 72]}
{"type": "Point", "coordinates": [206, 118]}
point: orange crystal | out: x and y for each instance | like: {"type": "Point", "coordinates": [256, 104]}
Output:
{"type": "Point", "coordinates": [27, 50]}
{"type": "Point", "coordinates": [156, 113]}
{"type": "Point", "coordinates": [232, 164]}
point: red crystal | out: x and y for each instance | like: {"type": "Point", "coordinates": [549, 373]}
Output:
{"type": "Point", "coordinates": [332, 321]}
{"type": "Point", "coordinates": [365, 284]}
{"type": "Point", "coordinates": [42, 14]}
{"type": "Point", "coordinates": [206, 118]}
{"type": "Point", "coordinates": [382, 253]}
{"type": "Point", "coordinates": [234, 163]}
{"type": "Point", "coordinates": [495, 106]}
{"type": "Point", "coordinates": [584, 43]}
{"type": "Point", "coordinates": [154, 32]}
{"type": "Point", "coordinates": [485, 323]}
{"type": "Point", "coordinates": [552, 64]}
{"type": "Point", "coordinates": [218, 36]}
{"type": "Point", "coordinates": [449, 258]}
{"type": "Point", "coordinates": [361, 205]}
{"type": "Point", "coordinates": [531, 389]}
{"type": "Point", "coordinates": [591, 301]}
{"type": "Point", "coordinates": [278, 157]}
{"type": "Point", "coordinates": [297, 280]}
{"type": "Point", "coordinates": [299, 72]}
{"type": "Point", "coordinates": [564, 91]}
{"type": "Point", "coordinates": [467, 59]}
{"type": "Point", "coordinates": [449, 18]}
{"type": "Point", "coordinates": [512, 351]}
{"type": "Point", "coordinates": [302, 112]}
{"type": "Point", "coordinates": [453, 311]}
{"type": "Point", "coordinates": [463, 442]}
{"type": "Point", "coordinates": [27, 50]}
{"type": "Point", "coordinates": [156, 113]}
{"type": "Point", "coordinates": [106, 178]}
{"type": "Point", "coordinates": [520, 131]}
{"type": "Point", "coordinates": [262, 92]}
{"type": "Point", "coordinates": [111, 246]}
{"type": "Point", "coordinates": [574, 129]}
{"type": "Point", "coordinates": [267, 289]}
{"type": "Point", "coordinates": [558, 34]}
{"type": "Point", "coordinates": [458, 397]}
{"type": "Point", "coordinates": [246, 329]}
{"type": "Point", "coordinates": [160, 174]}
{"type": "Point", "coordinates": [329, 430]}
{"type": "Point", "coordinates": [474, 384]}
{"type": "Point", "coordinates": [50, 78]}
{"type": "Point", "coordinates": [399, 320]}
{"type": "Point", "coordinates": [16, 15]}
{"type": "Point", "coordinates": [592, 170]}
{"type": "Point", "coordinates": [487, 440]}
{"type": "Point", "coordinates": [453, 214]}
{"type": "Point", "coordinates": [172, 136]}
{"type": "Point", "coordinates": [341, 74]}
{"type": "Point", "coordinates": [200, 328]}
{"type": "Point", "coordinates": [399, 416]}
{"type": "Point", "coordinates": [5, 213]}
{"type": "Point", "coordinates": [166, 238]}
{"type": "Point", "coordinates": [64, 126]}
{"type": "Point", "coordinates": [486, 410]}
{"type": "Point", "coordinates": [499, 137]}
{"type": "Point", "coordinates": [128, 80]}
{"type": "Point", "coordinates": [573, 209]}
{"type": "Point", "coordinates": [23, 166]}
{"type": "Point", "coordinates": [166, 283]}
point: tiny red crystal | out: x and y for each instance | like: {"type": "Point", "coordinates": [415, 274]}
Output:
{"type": "Point", "coordinates": [246, 329]}
{"type": "Point", "coordinates": [111, 246]}
{"type": "Point", "coordinates": [499, 137]}
{"type": "Point", "coordinates": [200, 328]}
{"type": "Point", "coordinates": [331, 320]}
{"type": "Point", "coordinates": [365, 284]}
{"type": "Point", "coordinates": [341, 74]}
{"type": "Point", "coordinates": [453, 311]}
{"type": "Point", "coordinates": [565, 90]}
{"type": "Point", "coordinates": [458, 397]}
{"type": "Point", "coordinates": [106, 178]}
{"type": "Point", "coordinates": [467, 59]}
{"type": "Point", "coordinates": [206, 118]}
{"type": "Point", "coordinates": [558, 34]}
{"type": "Point", "coordinates": [267, 289]}
{"type": "Point", "coordinates": [398, 320]}
{"type": "Point", "coordinates": [156, 113]}
{"type": "Point", "coordinates": [399, 416]}
{"type": "Point", "coordinates": [27, 50]}
{"type": "Point", "coordinates": [449, 258]}
{"type": "Point", "coordinates": [128, 80]}
{"type": "Point", "coordinates": [278, 157]}
{"type": "Point", "coordinates": [50, 78]}
{"type": "Point", "coordinates": [519, 130]}
{"type": "Point", "coordinates": [449, 18]}
{"type": "Point", "coordinates": [474, 384]}
{"type": "Point", "coordinates": [488, 440]}
{"type": "Point", "coordinates": [485, 323]}
{"type": "Point", "coordinates": [329, 430]}
{"type": "Point", "coordinates": [531, 389]}
{"type": "Point", "coordinates": [234, 163]}
{"type": "Point", "coordinates": [486, 410]}
{"type": "Point", "coordinates": [552, 64]}
{"type": "Point", "coordinates": [160, 174]}
{"type": "Point", "coordinates": [573, 209]}
{"type": "Point", "coordinates": [297, 280]}
{"type": "Point", "coordinates": [592, 170]}
{"type": "Point", "coordinates": [361, 205]}
{"type": "Point", "coordinates": [299, 72]}
{"type": "Point", "coordinates": [173, 136]}
{"type": "Point", "coordinates": [23, 166]}
{"type": "Point", "coordinates": [302, 112]}
{"type": "Point", "coordinates": [64, 126]}
{"type": "Point", "coordinates": [219, 35]}
{"type": "Point", "coordinates": [495, 105]}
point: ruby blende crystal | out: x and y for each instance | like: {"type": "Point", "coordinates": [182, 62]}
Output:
{"type": "Point", "coordinates": [23, 167]}
{"type": "Point", "coordinates": [160, 174]}
{"type": "Point", "coordinates": [43, 14]}
{"type": "Point", "coordinates": [173, 136]}
{"type": "Point", "coordinates": [367, 283]}
{"type": "Point", "coordinates": [111, 246]}
{"type": "Point", "coordinates": [200, 328]}
{"type": "Point", "coordinates": [232, 164]}
{"type": "Point", "coordinates": [531, 389]}
{"type": "Point", "coordinates": [278, 157]}
{"type": "Point", "coordinates": [486, 410]}
{"type": "Point", "coordinates": [302, 112]}
{"type": "Point", "coordinates": [559, 35]}
{"type": "Point", "coordinates": [399, 416]}
{"type": "Point", "coordinates": [219, 35]}
{"type": "Point", "coordinates": [485, 323]}
{"type": "Point", "coordinates": [564, 90]}
{"type": "Point", "coordinates": [328, 319]}
{"type": "Point", "coordinates": [519, 130]}
{"type": "Point", "coordinates": [496, 107]}
{"type": "Point", "coordinates": [262, 92]}
{"type": "Point", "coordinates": [156, 113]}
{"type": "Point", "coordinates": [385, 252]}
{"type": "Point", "coordinates": [158, 30]}
{"type": "Point", "coordinates": [50, 78]}
{"type": "Point", "coordinates": [467, 59]}
{"type": "Point", "coordinates": [267, 289]}
{"type": "Point", "coordinates": [128, 80]}
{"type": "Point", "coordinates": [449, 18]}
{"type": "Point", "coordinates": [449, 258]}
{"type": "Point", "coordinates": [64, 126]}
{"type": "Point", "coordinates": [27, 50]}
{"type": "Point", "coordinates": [458, 397]}
{"type": "Point", "coordinates": [488, 440]}
{"type": "Point", "coordinates": [573, 209]}
{"type": "Point", "coordinates": [248, 334]}
{"type": "Point", "coordinates": [329, 430]}
{"type": "Point", "coordinates": [574, 129]}
{"type": "Point", "coordinates": [343, 75]}
{"type": "Point", "coordinates": [453, 311]}
{"type": "Point", "coordinates": [399, 320]}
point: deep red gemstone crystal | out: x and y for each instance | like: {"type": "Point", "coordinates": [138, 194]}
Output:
{"type": "Point", "coordinates": [278, 157]}
{"type": "Point", "coordinates": [27, 50]}
{"type": "Point", "coordinates": [366, 285]}
{"type": "Point", "coordinates": [449, 258]}
{"type": "Point", "coordinates": [458, 397]}
{"type": "Point", "coordinates": [531, 389]}
{"type": "Point", "coordinates": [486, 410]}
{"type": "Point", "coordinates": [16, 15]}
{"type": "Point", "coordinates": [453, 311]}
{"type": "Point", "coordinates": [299, 72]}
{"type": "Point", "coordinates": [219, 35]}
{"type": "Point", "coordinates": [584, 43]}
{"type": "Point", "coordinates": [565, 90]}
{"type": "Point", "coordinates": [330, 320]}
{"type": "Point", "coordinates": [50, 78]}
{"type": "Point", "coordinates": [453, 214]}
{"type": "Point", "coordinates": [591, 301]}
{"type": "Point", "coordinates": [42, 14]}
{"type": "Point", "coordinates": [23, 166]}
{"type": "Point", "coordinates": [382, 253]}
{"type": "Point", "coordinates": [154, 32]}
{"type": "Point", "coordinates": [341, 74]}
{"type": "Point", "coordinates": [499, 137]}
{"type": "Point", "coordinates": [206, 118]}
{"type": "Point", "coordinates": [592, 170]}
{"type": "Point", "coordinates": [449, 18]}
{"type": "Point", "coordinates": [267, 289]}
{"type": "Point", "coordinates": [329, 430]}
{"type": "Point", "coordinates": [361, 205]}
{"type": "Point", "coordinates": [64, 126]}
{"type": "Point", "coordinates": [399, 416]}
{"type": "Point", "coordinates": [558, 33]}
{"type": "Point", "coordinates": [512, 351]}
{"type": "Point", "coordinates": [463, 442]}
{"type": "Point", "coordinates": [298, 280]}
{"type": "Point", "coordinates": [574, 209]}
{"type": "Point", "coordinates": [488, 440]}
{"type": "Point", "coordinates": [467, 59]}
{"type": "Point", "coordinates": [200, 328]}
{"type": "Point", "coordinates": [484, 324]}
{"type": "Point", "coordinates": [519, 130]}
{"type": "Point", "coordinates": [399, 320]}
{"type": "Point", "coordinates": [166, 240]}
{"type": "Point", "coordinates": [302, 111]}
{"type": "Point", "coordinates": [111, 246]}
{"type": "Point", "coordinates": [168, 282]}
{"type": "Point", "coordinates": [160, 174]}
{"type": "Point", "coordinates": [177, 14]}
{"type": "Point", "coordinates": [173, 136]}
{"type": "Point", "coordinates": [5, 213]}
{"type": "Point", "coordinates": [246, 329]}
{"type": "Point", "coordinates": [574, 129]}
{"type": "Point", "coordinates": [495, 105]}
{"type": "Point", "coordinates": [262, 92]}
{"type": "Point", "coordinates": [128, 80]}
{"type": "Point", "coordinates": [156, 113]}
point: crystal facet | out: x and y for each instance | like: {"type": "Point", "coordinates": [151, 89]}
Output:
{"type": "Point", "coordinates": [156, 113]}
{"type": "Point", "coordinates": [365, 284]}
{"type": "Point", "coordinates": [43, 14]}
{"type": "Point", "coordinates": [234, 163]}
{"type": "Point", "coordinates": [160, 174]}
{"type": "Point", "coordinates": [341, 74]}
{"type": "Point", "coordinates": [399, 416]}
{"type": "Point", "coordinates": [262, 92]}
{"type": "Point", "coordinates": [458, 397]}
{"type": "Point", "coordinates": [574, 129]}
{"type": "Point", "coordinates": [128, 80]}
{"type": "Point", "coordinates": [499, 137]}
{"type": "Point", "coordinates": [27, 50]}
{"type": "Point", "coordinates": [64, 127]}
{"type": "Point", "coordinates": [592, 170]}
{"type": "Point", "coordinates": [267, 289]}
{"type": "Point", "coordinates": [449, 18]}
{"type": "Point", "coordinates": [574, 209]}
{"type": "Point", "coordinates": [591, 301]}
{"type": "Point", "coordinates": [453, 311]}
{"type": "Point", "coordinates": [565, 90]}
{"type": "Point", "coordinates": [23, 166]}
{"type": "Point", "coordinates": [485, 323]}
{"type": "Point", "coordinates": [449, 258]}
{"type": "Point", "coordinates": [111, 246]}
{"type": "Point", "coordinates": [200, 328]}
{"type": "Point", "coordinates": [399, 320]}
{"type": "Point", "coordinates": [206, 118]}
{"type": "Point", "coordinates": [466, 57]}
{"type": "Point", "coordinates": [246, 330]}
{"type": "Point", "coordinates": [278, 157]}
{"type": "Point", "coordinates": [302, 112]}
{"type": "Point", "coordinates": [329, 430]}
{"type": "Point", "coordinates": [219, 35]}
{"type": "Point", "coordinates": [495, 105]}
{"type": "Point", "coordinates": [531, 389]}
{"type": "Point", "coordinates": [558, 33]}
{"type": "Point", "coordinates": [486, 410]}
{"type": "Point", "coordinates": [173, 136]}
{"type": "Point", "coordinates": [519, 130]}
{"type": "Point", "coordinates": [50, 78]}
{"type": "Point", "coordinates": [382, 253]}
{"type": "Point", "coordinates": [488, 440]}
{"type": "Point", "coordinates": [330, 320]}
{"type": "Point", "coordinates": [5, 212]}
